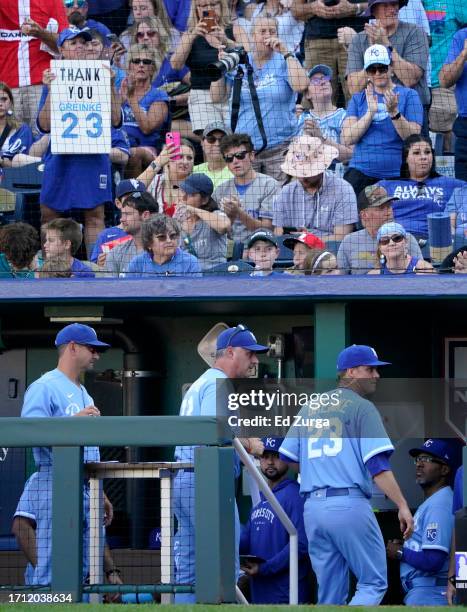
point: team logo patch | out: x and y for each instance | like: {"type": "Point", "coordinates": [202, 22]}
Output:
{"type": "Point", "coordinates": [432, 532]}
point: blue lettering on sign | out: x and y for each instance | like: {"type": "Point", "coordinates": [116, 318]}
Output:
{"type": "Point", "coordinates": [94, 131]}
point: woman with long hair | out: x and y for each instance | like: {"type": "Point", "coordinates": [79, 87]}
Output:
{"type": "Point", "coordinates": [278, 77]}
{"type": "Point", "coordinates": [145, 109]}
{"type": "Point", "coordinates": [164, 175]}
{"type": "Point", "coordinates": [392, 256]}
{"type": "Point", "coordinates": [420, 190]}
{"type": "Point", "coordinates": [15, 138]}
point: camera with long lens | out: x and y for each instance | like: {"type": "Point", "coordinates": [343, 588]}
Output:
{"type": "Point", "coordinates": [331, 2]}
{"type": "Point", "coordinates": [232, 58]}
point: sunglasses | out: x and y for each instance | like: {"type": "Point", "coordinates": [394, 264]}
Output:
{"type": "Point", "coordinates": [381, 68]}
{"type": "Point", "coordinates": [166, 237]}
{"type": "Point", "coordinates": [70, 3]}
{"type": "Point", "coordinates": [320, 80]}
{"type": "Point", "coordinates": [213, 139]}
{"type": "Point", "coordinates": [145, 62]}
{"type": "Point", "coordinates": [240, 155]}
{"type": "Point", "coordinates": [427, 459]}
{"type": "Point", "coordinates": [149, 34]}
{"type": "Point", "coordinates": [240, 328]}
{"type": "Point", "coordinates": [385, 240]}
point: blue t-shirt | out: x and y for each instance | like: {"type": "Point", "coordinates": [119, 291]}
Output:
{"type": "Point", "coordinates": [131, 127]}
{"type": "Point", "coordinates": [333, 443]}
{"type": "Point", "coordinates": [167, 74]}
{"type": "Point", "coordinates": [417, 200]}
{"type": "Point", "coordinates": [379, 152]}
{"type": "Point", "coordinates": [107, 235]}
{"type": "Point", "coordinates": [264, 536]}
{"type": "Point", "coordinates": [178, 12]}
{"type": "Point", "coordinates": [330, 125]}
{"type": "Point", "coordinates": [17, 141]}
{"type": "Point", "coordinates": [457, 499]}
{"type": "Point", "coordinates": [276, 100]}
{"type": "Point", "coordinates": [81, 270]}
{"type": "Point", "coordinates": [99, 7]}
{"type": "Point", "coordinates": [433, 525]}
{"type": "Point", "coordinates": [55, 395]}
{"type": "Point", "coordinates": [74, 181]}
{"type": "Point", "coordinates": [181, 264]}
{"type": "Point", "coordinates": [461, 85]}
{"type": "Point", "coordinates": [458, 205]}
{"type": "Point", "coordinates": [120, 140]}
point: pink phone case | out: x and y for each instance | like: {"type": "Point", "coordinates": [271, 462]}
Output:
{"type": "Point", "coordinates": [175, 139]}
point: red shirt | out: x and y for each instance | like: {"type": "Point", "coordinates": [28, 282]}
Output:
{"type": "Point", "coordinates": [22, 62]}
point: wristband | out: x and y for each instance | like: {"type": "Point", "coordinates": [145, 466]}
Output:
{"type": "Point", "coordinates": [287, 55]}
{"type": "Point", "coordinates": [396, 117]}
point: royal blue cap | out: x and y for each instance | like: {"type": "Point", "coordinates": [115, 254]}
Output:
{"type": "Point", "coordinates": [448, 450]}
{"type": "Point", "coordinates": [197, 183]}
{"type": "Point", "coordinates": [129, 186]}
{"type": "Point", "coordinates": [358, 355]}
{"type": "Point", "coordinates": [389, 229]}
{"type": "Point", "coordinates": [241, 337]}
{"type": "Point", "coordinates": [79, 333]}
{"type": "Point", "coordinates": [272, 444]}
{"type": "Point", "coordinates": [73, 32]}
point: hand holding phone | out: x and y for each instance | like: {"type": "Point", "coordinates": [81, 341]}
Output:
{"type": "Point", "coordinates": [174, 139]}
{"type": "Point", "coordinates": [210, 19]}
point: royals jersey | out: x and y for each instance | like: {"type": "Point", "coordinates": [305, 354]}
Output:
{"type": "Point", "coordinates": [433, 525]}
{"type": "Point", "coordinates": [23, 62]}
{"type": "Point", "coordinates": [55, 395]}
{"type": "Point", "coordinates": [333, 443]}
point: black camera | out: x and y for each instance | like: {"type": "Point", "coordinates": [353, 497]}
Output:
{"type": "Point", "coordinates": [331, 2]}
{"type": "Point", "coordinates": [232, 58]}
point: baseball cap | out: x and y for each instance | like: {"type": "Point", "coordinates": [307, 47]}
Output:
{"type": "Point", "coordinates": [389, 229]}
{"type": "Point", "coordinates": [358, 355]}
{"type": "Point", "coordinates": [448, 450]}
{"type": "Point", "coordinates": [320, 69]}
{"type": "Point", "coordinates": [261, 235]}
{"type": "Point", "coordinates": [239, 336]}
{"type": "Point", "coordinates": [197, 183]}
{"type": "Point", "coordinates": [371, 3]}
{"type": "Point", "coordinates": [376, 54]}
{"type": "Point", "coordinates": [216, 126]}
{"type": "Point", "coordinates": [129, 186]}
{"type": "Point", "coordinates": [79, 333]}
{"type": "Point", "coordinates": [308, 239]}
{"type": "Point", "coordinates": [73, 32]}
{"type": "Point", "coordinates": [373, 196]}
{"type": "Point", "coordinates": [272, 444]}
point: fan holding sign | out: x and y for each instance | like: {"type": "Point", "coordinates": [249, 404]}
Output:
{"type": "Point", "coordinates": [78, 106]}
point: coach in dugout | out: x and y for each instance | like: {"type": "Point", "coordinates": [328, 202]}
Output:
{"type": "Point", "coordinates": [424, 557]}
{"type": "Point", "coordinates": [64, 188]}
{"type": "Point", "coordinates": [266, 538]}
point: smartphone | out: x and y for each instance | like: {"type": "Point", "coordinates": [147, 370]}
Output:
{"type": "Point", "coordinates": [210, 19]}
{"type": "Point", "coordinates": [174, 138]}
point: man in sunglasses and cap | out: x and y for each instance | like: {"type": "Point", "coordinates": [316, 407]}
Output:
{"type": "Point", "coordinates": [337, 466]}
{"type": "Point", "coordinates": [424, 558]}
{"type": "Point", "coordinates": [236, 354]}
{"type": "Point", "coordinates": [58, 393]}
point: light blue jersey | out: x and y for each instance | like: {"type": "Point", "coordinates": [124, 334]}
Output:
{"type": "Point", "coordinates": [55, 395]}
{"type": "Point", "coordinates": [433, 525]}
{"type": "Point", "coordinates": [335, 456]}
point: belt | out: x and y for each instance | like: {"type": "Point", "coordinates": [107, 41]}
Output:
{"type": "Point", "coordinates": [335, 492]}
{"type": "Point", "coordinates": [423, 581]}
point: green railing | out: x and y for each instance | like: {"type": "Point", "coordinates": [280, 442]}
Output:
{"type": "Point", "coordinates": [214, 489]}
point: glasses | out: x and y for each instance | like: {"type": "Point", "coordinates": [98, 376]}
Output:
{"type": "Point", "coordinates": [320, 80]}
{"type": "Point", "coordinates": [385, 240]}
{"type": "Point", "coordinates": [149, 34]}
{"type": "Point", "coordinates": [166, 237]}
{"type": "Point", "coordinates": [427, 459]}
{"type": "Point", "coordinates": [240, 155]}
{"type": "Point", "coordinates": [70, 3]}
{"type": "Point", "coordinates": [138, 60]}
{"type": "Point", "coordinates": [213, 139]}
{"type": "Point", "coordinates": [381, 68]}
{"type": "Point", "coordinates": [240, 328]}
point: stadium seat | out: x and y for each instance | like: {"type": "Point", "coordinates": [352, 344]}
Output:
{"type": "Point", "coordinates": [25, 182]}
{"type": "Point", "coordinates": [11, 206]}
{"type": "Point", "coordinates": [230, 267]}
{"type": "Point", "coordinates": [285, 259]}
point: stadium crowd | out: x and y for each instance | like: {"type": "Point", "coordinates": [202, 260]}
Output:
{"type": "Point", "coordinates": [267, 138]}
